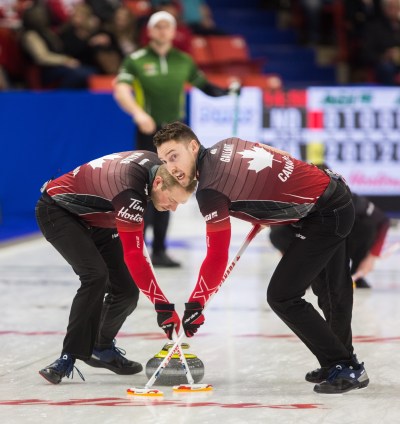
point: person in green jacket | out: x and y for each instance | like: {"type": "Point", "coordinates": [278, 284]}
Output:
{"type": "Point", "coordinates": [150, 87]}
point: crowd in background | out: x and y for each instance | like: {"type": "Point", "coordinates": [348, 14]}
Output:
{"type": "Point", "coordinates": [62, 42]}
{"type": "Point", "coordinates": [370, 35]}
{"type": "Point", "coordinates": [65, 41]}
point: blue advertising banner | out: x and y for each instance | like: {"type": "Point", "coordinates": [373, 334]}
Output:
{"type": "Point", "coordinates": [43, 135]}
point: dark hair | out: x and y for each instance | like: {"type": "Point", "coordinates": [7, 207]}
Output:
{"type": "Point", "coordinates": [175, 131]}
{"type": "Point", "coordinates": [36, 18]}
{"type": "Point", "coordinates": [322, 166]}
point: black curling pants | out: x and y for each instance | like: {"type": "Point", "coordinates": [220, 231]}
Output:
{"type": "Point", "coordinates": [281, 237]}
{"type": "Point", "coordinates": [107, 294]}
{"type": "Point", "coordinates": [319, 251]}
{"type": "Point", "coordinates": [360, 240]}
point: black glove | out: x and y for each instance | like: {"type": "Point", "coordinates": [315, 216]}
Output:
{"type": "Point", "coordinates": [193, 318]}
{"type": "Point", "coordinates": [167, 318]}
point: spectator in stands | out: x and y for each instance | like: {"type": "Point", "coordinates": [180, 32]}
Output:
{"type": "Point", "coordinates": [158, 73]}
{"type": "Point", "coordinates": [183, 34]}
{"type": "Point", "coordinates": [61, 10]}
{"type": "Point", "coordinates": [3, 79]}
{"type": "Point", "coordinates": [11, 12]}
{"type": "Point", "coordinates": [381, 42]}
{"type": "Point", "coordinates": [313, 29]}
{"type": "Point", "coordinates": [84, 40]}
{"type": "Point", "coordinates": [198, 16]}
{"type": "Point", "coordinates": [105, 9]}
{"type": "Point", "coordinates": [123, 30]}
{"type": "Point", "coordinates": [356, 14]}
{"type": "Point", "coordinates": [45, 49]}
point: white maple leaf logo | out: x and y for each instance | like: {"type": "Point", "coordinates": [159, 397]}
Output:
{"type": "Point", "coordinates": [75, 171]}
{"type": "Point", "coordinates": [260, 158]}
{"type": "Point", "coordinates": [98, 163]}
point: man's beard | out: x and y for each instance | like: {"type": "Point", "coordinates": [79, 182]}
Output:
{"type": "Point", "coordinates": [192, 175]}
{"type": "Point", "coordinates": [190, 178]}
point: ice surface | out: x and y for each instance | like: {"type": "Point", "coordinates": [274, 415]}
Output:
{"type": "Point", "coordinates": [252, 359]}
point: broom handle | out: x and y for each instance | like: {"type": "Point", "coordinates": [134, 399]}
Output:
{"type": "Point", "coordinates": [184, 362]}
{"type": "Point", "coordinates": [256, 228]}
{"type": "Point", "coordinates": [235, 115]}
{"type": "Point", "coordinates": [164, 362]}
{"type": "Point", "coordinates": [177, 345]}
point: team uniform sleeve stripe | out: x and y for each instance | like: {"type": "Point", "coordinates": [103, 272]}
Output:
{"type": "Point", "coordinates": [213, 267]}
{"type": "Point", "coordinates": [138, 266]}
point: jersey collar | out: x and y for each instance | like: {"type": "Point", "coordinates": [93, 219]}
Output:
{"type": "Point", "coordinates": [152, 175]}
{"type": "Point", "coordinates": [150, 48]}
{"type": "Point", "coordinates": [200, 157]}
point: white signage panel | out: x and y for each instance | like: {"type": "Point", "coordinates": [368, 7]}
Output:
{"type": "Point", "coordinates": [216, 118]}
{"type": "Point", "coordinates": [360, 129]}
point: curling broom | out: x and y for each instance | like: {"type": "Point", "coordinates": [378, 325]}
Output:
{"type": "Point", "coordinates": [147, 389]}
{"type": "Point", "coordinates": [190, 387]}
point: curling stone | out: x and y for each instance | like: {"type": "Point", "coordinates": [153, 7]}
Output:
{"type": "Point", "coordinates": [174, 374]}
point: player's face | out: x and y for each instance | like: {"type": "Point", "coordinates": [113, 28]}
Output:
{"type": "Point", "coordinates": [180, 160]}
{"type": "Point", "coordinates": [163, 32]}
{"type": "Point", "coordinates": [168, 200]}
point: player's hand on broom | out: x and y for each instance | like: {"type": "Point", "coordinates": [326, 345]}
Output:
{"type": "Point", "coordinates": [193, 318]}
{"type": "Point", "coordinates": [235, 88]}
{"type": "Point", "coordinates": [167, 318]}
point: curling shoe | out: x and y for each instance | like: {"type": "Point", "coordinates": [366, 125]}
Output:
{"type": "Point", "coordinates": [60, 368]}
{"type": "Point", "coordinates": [114, 360]}
{"type": "Point", "coordinates": [162, 260]}
{"type": "Point", "coordinates": [361, 283]}
{"type": "Point", "coordinates": [318, 375]}
{"type": "Point", "coordinates": [342, 379]}
{"type": "Point", "coordinates": [321, 374]}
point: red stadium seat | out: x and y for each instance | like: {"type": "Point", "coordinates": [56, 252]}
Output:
{"type": "Point", "coordinates": [222, 80]}
{"type": "Point", "coordinates": [139, 8]}
{"type": "Point", "coordinates": [264, 81]}
{"type": "Point", "coordinates": [228, 48]}
{"type": "Point", "coordinates": [101, 83]}
{"type": "Point", "coordinates": [201, 51]}
{"type": "Point", "coordinates": [11, 57]}
{"type": "Point", "coordinates": [231, 54]}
